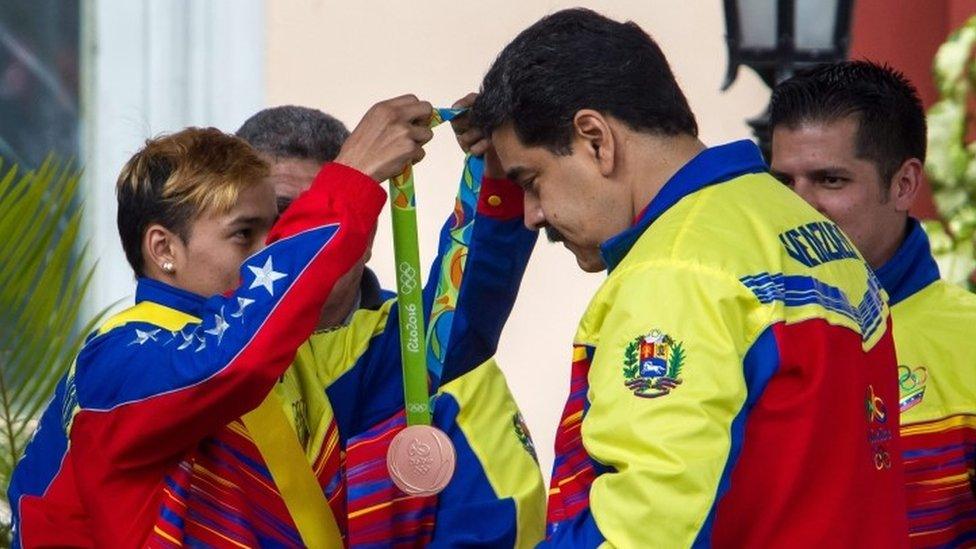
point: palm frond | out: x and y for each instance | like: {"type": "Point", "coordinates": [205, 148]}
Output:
{"type": "Point", "coordinates": [43, 279]}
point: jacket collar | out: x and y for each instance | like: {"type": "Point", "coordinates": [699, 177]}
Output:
{"type": "Point", "coordinates": [911, 268]}
{"type": "Point", "coordinates": [710, 166]}
{"type": "Point", "coordinates": [148, 289]}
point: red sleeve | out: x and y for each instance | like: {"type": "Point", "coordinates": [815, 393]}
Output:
{"type": "Point", "coordinates": [500, 199]}
{"type": "Point", "coordinates": [337, 191]}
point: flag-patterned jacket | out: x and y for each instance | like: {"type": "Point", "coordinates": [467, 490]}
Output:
{"type": "Point", "coordinates": [149, 398]}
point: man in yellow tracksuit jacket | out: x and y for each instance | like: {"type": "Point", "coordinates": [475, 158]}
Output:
{"type": "Point", "coordinates": [850, 139]}
{"type": "Point", "coordinates": [733, 379]}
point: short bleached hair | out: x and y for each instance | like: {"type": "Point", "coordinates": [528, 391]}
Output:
{"type": "Point", "coordinates": [176, 178]}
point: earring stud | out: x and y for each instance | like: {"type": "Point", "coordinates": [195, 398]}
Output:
{"type": "Point", "coordinates": [168, 267]}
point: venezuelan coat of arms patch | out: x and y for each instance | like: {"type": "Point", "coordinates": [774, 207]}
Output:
{"type": "Point", "coordinates": [652, 364]}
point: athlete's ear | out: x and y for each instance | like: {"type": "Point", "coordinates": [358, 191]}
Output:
{"type": "Point", "coordinates": [163, 253]}
{"type": "Point", "coordinates": [593, 132]}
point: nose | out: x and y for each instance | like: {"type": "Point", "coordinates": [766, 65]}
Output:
{"type": "Point", "coordinates": [534, 218]}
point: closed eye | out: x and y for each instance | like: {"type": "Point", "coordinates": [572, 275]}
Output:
{"type": "Point", "coordinates": [243, 235]}
{"type": "Point", "coordinates": [832, 181]}
{"type": "Point", "coordinates": [245, 230]}
{"type": "Point", "coordinates": [831, 178]}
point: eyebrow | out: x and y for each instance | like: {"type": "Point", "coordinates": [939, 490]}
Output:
{"type": "Point", "coordinates": [817, 173]}
{"type": "Point", "coordinates": [247, 220]}
{"type": "Point", "coordinates": [830, 170]}
{"type": "Point", "coordinates": [516, 174]}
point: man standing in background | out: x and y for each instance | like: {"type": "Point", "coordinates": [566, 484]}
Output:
{"type": "Point", "coordinates": [296, 142]}
{"type": "Point", "coordinates": [849, 138]}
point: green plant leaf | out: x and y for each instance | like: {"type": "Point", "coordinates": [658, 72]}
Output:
{"type": "Point", "coordinates": [962, 225]}
{"type": "Point", "coordinates": [677, 361]}
{"type": "Point", "coordinates": [951, 161]}
{"type": "Point", "coordinates": [950, 201]}
{"type": "Point", "coordinates": [947, 157]}
{"type": "Point", "coordinates": [952, 58]}
{"type": "Point", "coordinates": [43, 280]}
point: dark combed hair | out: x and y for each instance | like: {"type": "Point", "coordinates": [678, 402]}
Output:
{"type": "Point", "coordinates": [578, 59]}
{"type": "Point", "coordinates": [885, 104]}
{"type": "Point", "coordinates": [295, 132]}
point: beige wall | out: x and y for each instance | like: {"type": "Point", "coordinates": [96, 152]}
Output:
{"type": "Point", "coordinates": [343, 56]}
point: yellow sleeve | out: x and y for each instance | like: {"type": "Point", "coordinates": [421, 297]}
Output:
{"type": "Point", "coordinates": [497, 493]}
{"type": "Point", "coordinates": [324, 358]}
{"type": "Point", "coordinates": [666, 394]}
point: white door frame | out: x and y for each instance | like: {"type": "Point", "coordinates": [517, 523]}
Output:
{"type": "Point", "coordinates": [149, 67]}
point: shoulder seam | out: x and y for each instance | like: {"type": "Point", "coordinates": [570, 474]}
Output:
{"type": "Point", "coordinates": [700, 198]}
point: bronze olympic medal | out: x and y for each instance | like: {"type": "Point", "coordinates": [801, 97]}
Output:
{"type": "Point", "coordinates": [421, 460]}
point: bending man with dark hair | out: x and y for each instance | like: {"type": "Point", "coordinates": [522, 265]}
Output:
{"type": "Point", "coordinates": [849, 138]}
{"type": "Point", "coordinates": [343, 394]}
{"type": "Point", "coordinates": [144, 443]}
{"type": "Point", "coordinates": [730, 386]}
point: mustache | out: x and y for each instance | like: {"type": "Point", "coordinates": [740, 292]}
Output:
{"type": "Point", "coordinates": [554, 235]}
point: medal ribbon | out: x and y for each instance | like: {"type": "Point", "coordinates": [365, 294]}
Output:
{"type": "Point", "coordinates": [454, 255]}
{"type": "Point", "coordinates": [406, 254]}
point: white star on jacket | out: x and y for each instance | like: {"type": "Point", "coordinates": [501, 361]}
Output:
{"type": "Point", "coordinates": [220, 326]}
{"type": "Point", "coordinates": [242, 303]}
{"type": "Point", "coordinates": [265, 276]}
{"type": "Point", "coordinates": [187, 340]}
{"type": "Point", "coordinates": [142, 337]}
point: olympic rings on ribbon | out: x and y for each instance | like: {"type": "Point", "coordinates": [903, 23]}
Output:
{"type": "Point", "coordinates": [417, 407]}
{"type": "Point", "coordinates": [408, 278]}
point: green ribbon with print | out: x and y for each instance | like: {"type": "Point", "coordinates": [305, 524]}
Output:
{"type": "Point", "coordinates": [406, 254]}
